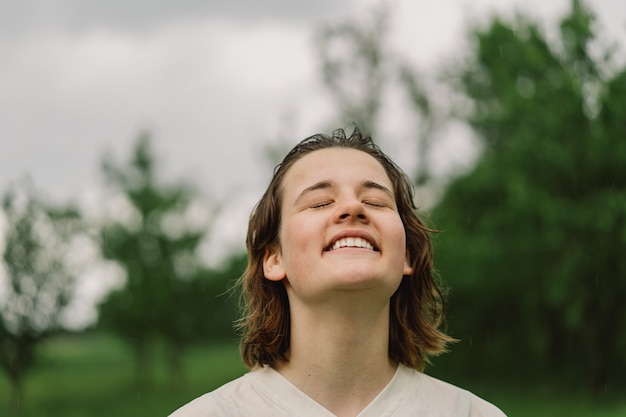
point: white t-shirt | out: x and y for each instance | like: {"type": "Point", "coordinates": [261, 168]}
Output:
{"type": "Point", "coordinates": [266, 393]}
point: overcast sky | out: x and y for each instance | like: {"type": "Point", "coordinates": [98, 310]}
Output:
{"type": "Point", "coordinates": [212, 81]}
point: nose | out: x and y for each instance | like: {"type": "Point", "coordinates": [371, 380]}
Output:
{"type": "Point", "coordinates": [350, 209]}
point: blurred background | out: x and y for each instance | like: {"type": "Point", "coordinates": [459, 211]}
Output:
{"type": "Point", "coordinates": [136, 138]}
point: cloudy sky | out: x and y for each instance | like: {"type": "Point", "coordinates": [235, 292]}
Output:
{"type": "Point", "coordinates": [212, 81]}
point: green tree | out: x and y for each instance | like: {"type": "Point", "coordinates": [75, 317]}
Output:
{"type": "Point", "coordinates": [533, 237]}
{"type": "Point", "coordinates": [167, 287]}
{"type": "Point", "coordinates": [363, 73]}
{"type": "Point", "coordinates": [38, 283]}
{"type": "Point", "coordinates": [356, 67]}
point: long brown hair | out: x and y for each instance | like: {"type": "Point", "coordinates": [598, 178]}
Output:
{"type": "Point", "coordinates": [417, 307]}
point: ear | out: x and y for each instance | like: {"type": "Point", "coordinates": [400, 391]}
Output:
{"type": "Point", "coordinates": [408, 269]}
{"type": "Point", "coordinates": [272, 264]}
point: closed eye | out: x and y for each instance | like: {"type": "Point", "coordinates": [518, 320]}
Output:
{"type": "Point", "coordinates": [320, 204]}
{"type": "Point", "coordinates": [376, 203]}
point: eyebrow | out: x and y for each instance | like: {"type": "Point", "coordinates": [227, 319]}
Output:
{"type": "Point", "coordinates": [321, 185]}
{"type": "Point", "coordinates": [325, 184]}
{"type": "Point", "coordinates": [377, 186]}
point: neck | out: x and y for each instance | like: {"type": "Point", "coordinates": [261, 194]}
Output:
{"type": "Point", "coordinates": [339, 354]}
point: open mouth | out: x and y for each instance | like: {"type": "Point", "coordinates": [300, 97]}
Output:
{"type": "Point", "coordinates": [351, 242]}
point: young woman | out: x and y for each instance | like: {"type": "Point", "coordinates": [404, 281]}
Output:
{"type": "Point", "coordinates": [341, 310]}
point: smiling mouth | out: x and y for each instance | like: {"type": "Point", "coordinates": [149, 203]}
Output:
{"type": "Point", "coordinates": [351, 242]}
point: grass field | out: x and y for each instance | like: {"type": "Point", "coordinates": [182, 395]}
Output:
{"type": "Point", "coordinates": [92, 375]}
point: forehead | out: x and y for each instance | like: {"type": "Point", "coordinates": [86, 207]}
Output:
{"type": "Point", "coordinates": [334, 164]}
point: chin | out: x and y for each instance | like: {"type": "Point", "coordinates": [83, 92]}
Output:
{"type": "Point", "coordinates": [357, 280]}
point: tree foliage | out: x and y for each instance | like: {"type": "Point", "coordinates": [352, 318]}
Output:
{"type": "Point", "coordinates": [362, 73]}
{"type": "Point", "coordinates": [355, 66]}
{"type": "Point", "coordinates": [533, 237]}
{"type": "Point", "coordinates": [168, 293]}
{"type": "Point", "coordinates": [38, 283]}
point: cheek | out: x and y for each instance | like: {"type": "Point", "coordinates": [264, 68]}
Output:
{"type": "Point", "coordinates": [397, 230]}
{"type": "Point", "coordinates": [399, 238]}
{"type": "Point", "coordinates": [296, 241]}
{"type": "Point", "coordinates": [300, 232]}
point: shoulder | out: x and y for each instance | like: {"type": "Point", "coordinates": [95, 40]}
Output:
{"type": "Point", "coordinates": [203, 406]}
{"type": "Point", "coordinates": [443, 398]}
{"type": "Point", "coordinates": [255, 393]}
{"type": "Point", "coordinates": [213, 404]}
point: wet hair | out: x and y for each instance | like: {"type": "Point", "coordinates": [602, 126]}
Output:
{"type": "Point", "coordinates": [416, 309]}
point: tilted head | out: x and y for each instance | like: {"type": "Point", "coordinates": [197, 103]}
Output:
{"type": "Point", "coordinates": [417, 307]}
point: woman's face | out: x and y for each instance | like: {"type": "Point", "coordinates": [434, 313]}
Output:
{"type": "Point", "coordinates": [340, 230]}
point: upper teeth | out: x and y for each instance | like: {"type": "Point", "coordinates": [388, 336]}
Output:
{"type": "Point", "coordinates": [355, 242]}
